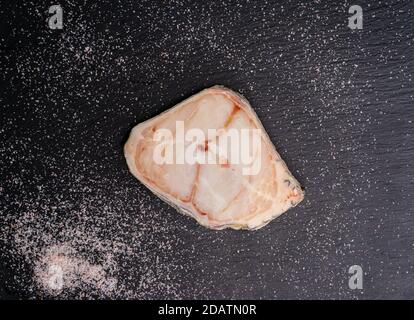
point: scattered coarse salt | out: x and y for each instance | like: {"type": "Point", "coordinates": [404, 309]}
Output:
{"type": "Point", "coordinates": [61, 268]}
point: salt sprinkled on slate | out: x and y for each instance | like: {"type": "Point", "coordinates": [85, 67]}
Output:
{"type": "Point", "coordinates": [90, 254]}
{"type": "Point", "coordinates": [60, 268]}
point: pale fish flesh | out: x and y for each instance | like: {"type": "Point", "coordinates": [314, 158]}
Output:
{"type": "Point", "coordinates": [179, 156]}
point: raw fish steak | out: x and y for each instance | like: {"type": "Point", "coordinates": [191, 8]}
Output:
{"type": "Point", "coordinates": [210, 158]}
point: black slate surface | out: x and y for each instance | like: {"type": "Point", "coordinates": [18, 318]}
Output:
{"type": "Point", "coordinates": [337, 103]}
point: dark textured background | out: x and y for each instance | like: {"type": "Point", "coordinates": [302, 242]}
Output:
{"type": "Point", "coordinates": [337, 103]}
